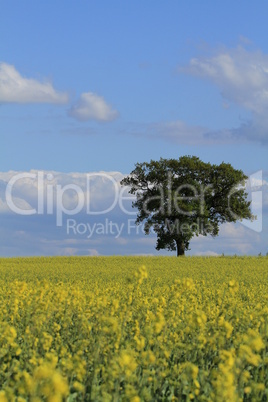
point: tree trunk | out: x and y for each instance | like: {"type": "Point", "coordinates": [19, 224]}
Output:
{"type": "Point", "coordinates": [180, 248]}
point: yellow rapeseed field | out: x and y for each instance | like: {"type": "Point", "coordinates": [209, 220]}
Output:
{"type": "Point", "coordinates": [134, 329]}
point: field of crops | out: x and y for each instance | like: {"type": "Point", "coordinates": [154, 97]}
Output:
{"type": "Point", "coordinates": [134, 329]}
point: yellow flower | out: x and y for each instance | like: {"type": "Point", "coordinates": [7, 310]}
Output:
{"type": "Point", "coordinates": [135, 399]}
{"type": "Point", "coordinates": [127, 362]}
{"type": "Point", "coordinates": [3, 397]}
{"type": "Point", "coordinates": [60, 384]}
{"type": "Point", "coordinates": [233, 286]}
{"type": "Point", "coordinates": [78, 386]}
{"type": "Point", "coordinates": [55, 398]}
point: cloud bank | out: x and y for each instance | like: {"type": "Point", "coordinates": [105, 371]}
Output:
{"type": "Point", "coordinates": [181, 133]}
{"type": "Point", "coordinates": [100, 226]}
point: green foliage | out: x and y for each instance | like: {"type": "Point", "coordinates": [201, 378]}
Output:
{"type": "Point", "coordinates": [182, 198]}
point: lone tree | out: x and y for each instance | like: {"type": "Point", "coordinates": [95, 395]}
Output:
{"type": "Point", "coordinates": [182, 198]}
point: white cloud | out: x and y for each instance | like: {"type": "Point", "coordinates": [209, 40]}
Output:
{"type": "Point", "coordinates": [16, 89]}
{"type": "Point", "coordinates": [97, 190]}
{"type": "Point", "coordinates": [18, 202]}
{"type": "Point", "coordinates": [232, 239]}
{"type": "Point", "coordinates": [232, 236]}
{"type": "Point", "coordinates": [70, 251]}
{"type": "Point", "coordinates": [207, 253]}
{"type": "Point", "coordinates": [91, 106]}
{"type": "Point", "coordinates": [242, 77]}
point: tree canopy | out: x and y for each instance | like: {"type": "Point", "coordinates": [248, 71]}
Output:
{"type": "Point", "coordinates": [187, 197]}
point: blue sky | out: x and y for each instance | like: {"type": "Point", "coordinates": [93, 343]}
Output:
{"type": "Point", "coordinates": [88, 86]}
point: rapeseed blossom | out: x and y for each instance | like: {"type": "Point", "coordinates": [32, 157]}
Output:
{"type": "Point", "coordinates": [133, 329]}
